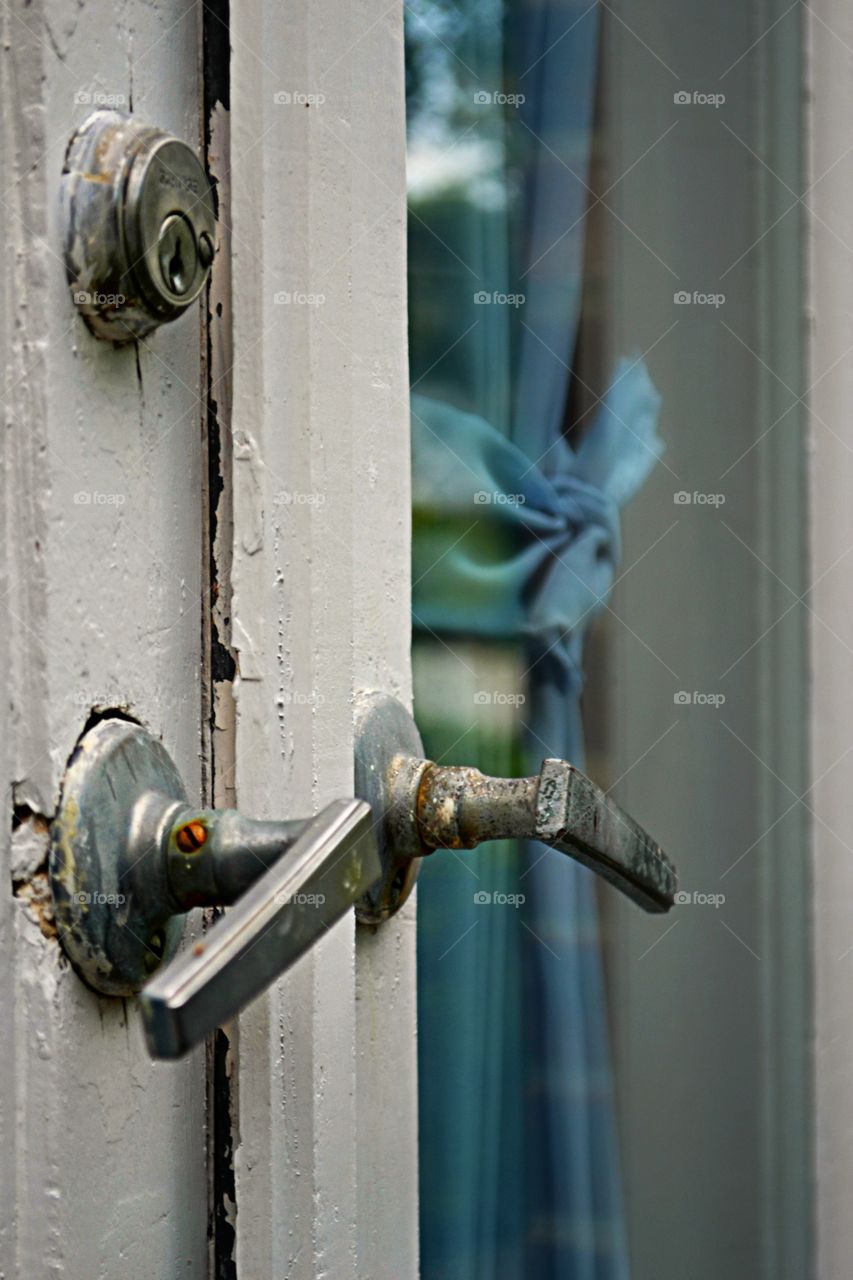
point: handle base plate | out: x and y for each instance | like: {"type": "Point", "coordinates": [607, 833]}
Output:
{"type": "Point", "coordinates": [109, 889]}
{"type": "Point", "coordinates": [388, 762]}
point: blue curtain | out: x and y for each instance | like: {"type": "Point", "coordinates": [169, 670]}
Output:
{"type": "Point", "coordinates": [516, 538]}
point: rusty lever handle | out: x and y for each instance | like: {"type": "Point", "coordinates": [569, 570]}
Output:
{"type": "Point", "coordinates": [458, 808]}
{"type": "Point", "coordinates": [420, 806]}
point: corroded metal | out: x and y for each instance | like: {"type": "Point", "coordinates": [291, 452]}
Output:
{"type": "Point", "coordinates": [578, 818]}
{"type": "Point", "coordinates": [458, 808]}
{"type": "Point", "coordinates": [139, 225]}
{"type": "Point", "coordinates": [298, 899]}
{"type": "Point", "coordinates": [114, 915]}
{"type": "Point", "coordinates": [388, 767]}
{"type": "Point", "coordinates": [420, 806]}
{"type": "Point", "coordinates": [233, 851]}
{"type": "Point", "coordinates": [123, 867]}
{"type": "Point", "coordinates": [129, 856]}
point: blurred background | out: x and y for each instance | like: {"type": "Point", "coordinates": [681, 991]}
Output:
{"type": "Point", "coordinates": [607, 267]}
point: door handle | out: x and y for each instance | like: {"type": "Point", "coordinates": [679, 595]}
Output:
{"type": "Point", "coordinates": [422, 806]}
{"type": "Point", "coordinates": [285, 911]}
{"type": "Point", "coordinates": [129, 856]}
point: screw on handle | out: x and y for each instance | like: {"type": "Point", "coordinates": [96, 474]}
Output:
{"type": "Point", "coordinates": [458, 808]}
{"type": "Point", "coordinates": [328, 867]}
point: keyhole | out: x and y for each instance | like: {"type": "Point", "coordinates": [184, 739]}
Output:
{"type": "Point", "coordinates": [177, 253]}
{"type": "Point", "coordinates": [176, 268]}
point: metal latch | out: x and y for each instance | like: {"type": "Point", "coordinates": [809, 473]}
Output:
{"type": "Point", "coordinates": [129, 856]}
{"type": "Point", "coordinates": [421, 806]}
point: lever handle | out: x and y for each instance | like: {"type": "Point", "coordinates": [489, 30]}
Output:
{"type": "Point", "coordinates": [458, 808]}
{"type": "Point", "coordinates": [301, 896]}
{"type": "Point", "coordinates": [422, 806]}
{"type": "Point", "coordinates": [129, 856]}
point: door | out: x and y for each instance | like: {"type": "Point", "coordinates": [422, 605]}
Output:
{"type": "Point", "coordinates": [104, 1154]}
{"type": "Point", "coordinates": [208, 532]}
{"type": "Point", "coordinates": [325, 1168]}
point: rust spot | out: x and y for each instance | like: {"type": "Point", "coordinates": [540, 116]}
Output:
{"type": "Point", "coordinates": [23, 814]}
{"type": "Point", "coordinates": [32, 889]}
{"type": "Point", "coordinates": [37, 899]}
{"type": "Point", "coordinates": [198, 949]}
{"type": "Point", "coordinates": [191, 837]}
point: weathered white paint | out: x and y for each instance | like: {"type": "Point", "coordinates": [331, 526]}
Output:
{"type": "Point", "coordinates": [101, 1152]}
{"type": "Point", "coordinates": [326, 1105]}
{"type": "Point", "coordinates": [830, 33]}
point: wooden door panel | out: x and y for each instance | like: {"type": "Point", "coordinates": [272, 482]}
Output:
{"type": "Point", "coordinates": [326, 1164]}
{"type": "Point", "coordinates": [103, 1151]}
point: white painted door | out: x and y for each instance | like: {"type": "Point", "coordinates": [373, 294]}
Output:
{"type": "Point", "coordinates": [326, 1106]}
{"type": "Point", "coordinates": [208, 530]}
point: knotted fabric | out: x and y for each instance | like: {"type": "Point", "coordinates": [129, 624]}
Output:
{"type": "Point", "coordinates": [519, 1170]}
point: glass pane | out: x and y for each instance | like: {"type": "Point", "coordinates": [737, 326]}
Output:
{"type": "Point", "coordinates": [604, 296]}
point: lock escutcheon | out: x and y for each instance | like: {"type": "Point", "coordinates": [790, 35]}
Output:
{"type": "Point", "coordinates": [139, 225]}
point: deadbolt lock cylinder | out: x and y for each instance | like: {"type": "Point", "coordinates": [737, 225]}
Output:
{"type": "Point", "coordinates": [139, 222]}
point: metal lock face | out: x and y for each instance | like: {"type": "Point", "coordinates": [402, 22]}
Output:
{"type": "Point", "coordinates": [139, 225]}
